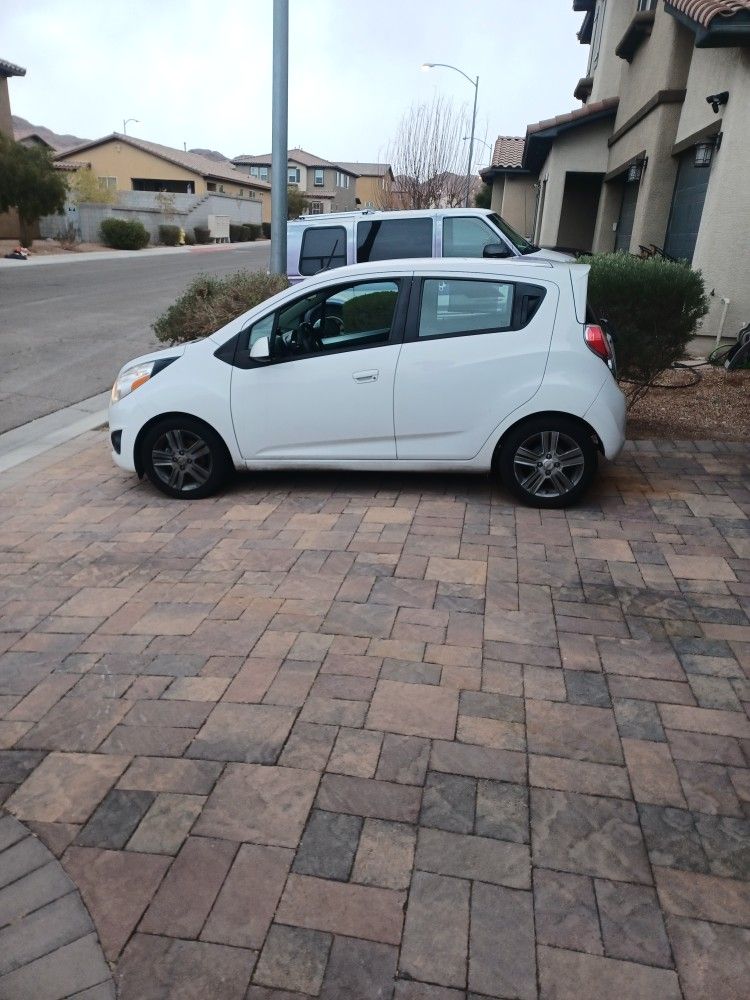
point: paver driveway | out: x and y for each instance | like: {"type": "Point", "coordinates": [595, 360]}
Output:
{"type": "Point", "coordinates": [359, 737]}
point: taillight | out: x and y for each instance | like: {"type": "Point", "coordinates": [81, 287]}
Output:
{"type": "Point", "coordinates": [596, 341]}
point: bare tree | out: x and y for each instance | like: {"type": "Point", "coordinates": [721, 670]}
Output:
{"type": "Point", "coordinates": [426, 155]}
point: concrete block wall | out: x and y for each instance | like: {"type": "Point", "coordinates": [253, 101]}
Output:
{"type": "Point", "coordinates": [190, 210]}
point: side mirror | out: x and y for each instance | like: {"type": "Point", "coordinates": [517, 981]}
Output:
{"type": "Point", "coordinates": [496, 251]}
{"type": "Point", "coordinates": [260, 351]}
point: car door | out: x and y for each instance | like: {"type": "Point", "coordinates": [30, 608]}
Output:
{"type": "Point", "coordinates": [475, 349]}
{"type": "Point", "coordinates": [326, 391]}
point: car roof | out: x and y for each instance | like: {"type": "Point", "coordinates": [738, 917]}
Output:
{"type": "Point", "coordinates": [326, 218]}
{"type": "Point", "coordinates": [521, 267]}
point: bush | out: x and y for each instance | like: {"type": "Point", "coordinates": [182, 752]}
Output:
{"type": "Point", "coordinates": [252, 231]}
{"type": "Point", "coordinates": [123, 235]}
{"type": "Point", "coordinates": [652, 306]}
{"type": "Point", "coordinates": [202, 234]}
{"type": "Point", "coordinates": [236, 233]}
{"type": "Point", "coordinates": [266, 229]}
{"type": "Point", "coordinates": [171, 236]}
{"type": "Point", "coordinates": [208, 303]}
{"type": "Point", "coordinates": [189, 239]}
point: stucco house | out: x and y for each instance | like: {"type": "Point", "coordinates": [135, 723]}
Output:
{"type": "Point", "coordinates": [329, 187]}
{"type": "Point", "coordinates": [373, 181]}
{"type": "Point", "coordinates": [9, 228]}
{"type": "Point", "coordinates": [657, 152]}
{"type": "Point", "coordinates": [126, 163]}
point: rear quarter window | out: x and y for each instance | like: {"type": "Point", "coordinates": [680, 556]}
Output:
{"type": "Point", "coordinates": [391, 239]}
{"type": "Point", "coordinates": [323, 248]}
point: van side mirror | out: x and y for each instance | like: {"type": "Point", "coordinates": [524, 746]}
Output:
{"type": "Point", "coordinates": [260, 351]}
{"type": "Point", "coordinates": [496, 251]}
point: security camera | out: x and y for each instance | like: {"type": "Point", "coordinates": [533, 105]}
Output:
{"type": "Point", "coordinates": [716, 100]}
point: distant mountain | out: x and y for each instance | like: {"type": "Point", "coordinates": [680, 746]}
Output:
{"type": "Point", "coordinates": [212, 154]}
{"type": "Point", "coordinates": [20, 125]}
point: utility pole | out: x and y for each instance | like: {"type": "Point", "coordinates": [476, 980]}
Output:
{"type": "Point", "coordinates": [279, 125]}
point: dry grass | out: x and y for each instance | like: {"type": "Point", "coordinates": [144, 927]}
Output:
{"type": "Point", "coordinates": [716, 409]}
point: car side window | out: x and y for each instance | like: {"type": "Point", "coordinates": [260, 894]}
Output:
{"type": "Point", "coordinates": [323, 248]}
{"type": "Point", "coordinates": [456, 306]}
{"type": "Point", "coordinates": [345, 318]}
{"type": "Point", "coordinates": [392, 239]}
{"type": "Point", "coordinates": [466, 236]}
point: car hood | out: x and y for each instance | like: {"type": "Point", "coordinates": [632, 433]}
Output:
{"type": "Point", "coordinates": [551, 255]}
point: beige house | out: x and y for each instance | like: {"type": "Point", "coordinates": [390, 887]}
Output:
{"type": "Point", "coordinates": [329, 187]}
{"type": "Point", "coordinates": [125, 163]}
{"type": "Point", "coordinates": [374, 182]}
{"type": "Point", "coordinates": [658, 152]}
{"type": "Point", "coordinates": [9, 228]}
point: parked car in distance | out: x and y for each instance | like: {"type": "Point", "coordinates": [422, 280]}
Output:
{"type": "Point", "coordinates": [470, 365]}
{"type": "Point", "coordinates": [318, 243]}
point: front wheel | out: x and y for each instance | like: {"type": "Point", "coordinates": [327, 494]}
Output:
{"type": "Point", "coordinates": [548, 461]}
{"type": "Point", "coordinates": [185, 458]}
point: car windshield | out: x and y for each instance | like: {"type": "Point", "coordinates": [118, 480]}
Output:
{"type": "Point", "coordinates": [519, 242]}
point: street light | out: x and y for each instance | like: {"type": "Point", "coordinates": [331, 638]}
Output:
{"type": "Point", "coordinates": [125, 123]}
{"type": "Point", "coordinates": [475, 85]}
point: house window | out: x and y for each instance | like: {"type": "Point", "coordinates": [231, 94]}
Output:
{"type": "Point", "coordinates": [342, 179]}
{"type": "Point", "coordinates": [263, 173]}
{"type": "Point", "coordinates": [242, 192]}
{"type": "Point", "coordinates": [253, 171]}
{"type": "Point", "coordinates": [210, 186]}
{"type": "Point", "coordinates": [647, 4]}
{"type": "Point", "coordinates": [596, 38]}
{"type": "Point", "coordinates": [319, 177]}
{"type": "Point", "coordinates": [316, 208]}
{"type": "Point", "coordinates": [293, 175]}
{"type": "Point", "coordinates": [108, 183]}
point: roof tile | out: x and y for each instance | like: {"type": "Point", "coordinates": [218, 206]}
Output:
{"type": "Point", "coordinates": [704, 11]}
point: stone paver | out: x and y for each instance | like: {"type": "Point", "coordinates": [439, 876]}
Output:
{"type": "Point", "coordinates": [346, 736]}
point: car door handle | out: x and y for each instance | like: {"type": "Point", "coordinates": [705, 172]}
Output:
{"type": "Point", "coordinates": [370, 376]}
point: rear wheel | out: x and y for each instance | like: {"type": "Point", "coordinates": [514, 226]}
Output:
{"type": "Point", "coordinates": [185, 458]}
{"type": "Point", "coordinates": [548, 461]}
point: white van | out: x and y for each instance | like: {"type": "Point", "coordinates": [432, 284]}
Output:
{"type": "Point", "coordinates": [322, 242]}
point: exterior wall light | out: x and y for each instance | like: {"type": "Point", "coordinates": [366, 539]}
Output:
{"type": "Point", "coordinates": [704, 152]}
{"type": "Point", "coordinates": [635, 171]}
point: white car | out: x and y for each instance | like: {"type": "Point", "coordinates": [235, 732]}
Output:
{"type": "Point", "coordinates": [464, 365]}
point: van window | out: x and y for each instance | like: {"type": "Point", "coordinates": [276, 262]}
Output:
{"type": "Point", "coordinates": [323, 248]}
{"type": "Point", "coordinates": [466, 236]}
{"type": "Point", "coordinates": [393, 238]}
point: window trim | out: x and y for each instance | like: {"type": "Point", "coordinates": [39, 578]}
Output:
{"type": "Point", "coordinates": [520, 289]}
{"type": "Point", "coordinates": [319, 182]}
{"type": "Point", "coordinates": [235, 353]}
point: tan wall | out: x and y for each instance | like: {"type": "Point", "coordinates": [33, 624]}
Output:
{"type": "Point", "coordinates": [519, 203]}
{"type": "Point", "coordinates": [583, 149]}
{"type": "Point", "coordinates": [660, 63]}
{"type": "Point", "coordinates": [369, 190]}
{"type": "Point", "coordinates": [617, 15]}
{"type": "Point", "coordinates": [721, 252]}
{"type": "Point", "coordinates": [6, 123]}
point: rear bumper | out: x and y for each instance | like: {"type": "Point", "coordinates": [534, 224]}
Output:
{"type": "Point", "coordinates": [607, 415]}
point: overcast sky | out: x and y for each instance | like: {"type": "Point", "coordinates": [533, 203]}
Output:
{"type": "Point", "coordinates": [200, 72]}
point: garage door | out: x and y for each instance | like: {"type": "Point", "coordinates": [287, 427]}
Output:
{"type": "Point", "coordinates": [687, 208]}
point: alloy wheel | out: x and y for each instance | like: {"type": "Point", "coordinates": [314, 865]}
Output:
{"type": "Point", "coordinates": [182, 460]}
{"type": "Point", "coordinates": [548, 464]}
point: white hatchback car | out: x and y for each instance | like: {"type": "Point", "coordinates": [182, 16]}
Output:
{"type": "Point", "coordinates": [463, 365]}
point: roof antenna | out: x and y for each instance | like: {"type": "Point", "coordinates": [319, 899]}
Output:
{"type": "Point", "coordinates": [184, 145]}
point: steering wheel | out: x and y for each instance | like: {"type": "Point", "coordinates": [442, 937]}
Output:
{"type": "Point", "coordinates": [304, 339]}
{"type": "Point", "coordinates": [333, 326]}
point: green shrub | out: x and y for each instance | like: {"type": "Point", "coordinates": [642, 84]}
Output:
{"type": "Point", "coordinates": [369, 312]}
{"type": "Point", "coordinates": [189, 239]}
{"type": "Point", "coordinates": [208, 303]}
{"type": "Point", "coordinates": [236, 233]}
{"type": "Point", "coordinates": [266, 229]}
{"type": "Point", "coordinates": [252, 231]}
{"type": "Point", "coordinates": [652, 306]}
{"type": "Point", "coordinates": [171, 236]}
{"type": "Point", "coordinates": [123, 235]}
{"type": "Point", "coordinates": [202, 234]}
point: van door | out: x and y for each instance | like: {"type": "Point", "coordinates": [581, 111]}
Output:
{"type": "Point", "coordinates": [475, 350]}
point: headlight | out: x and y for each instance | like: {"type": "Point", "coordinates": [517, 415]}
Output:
{"type": "Point", "coordinates": [133, 376]}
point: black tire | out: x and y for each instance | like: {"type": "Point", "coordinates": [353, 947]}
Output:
{"type": "Point", "coordinates": [185, 458]}
{"type": "Point", "coordinates": [559, 450]}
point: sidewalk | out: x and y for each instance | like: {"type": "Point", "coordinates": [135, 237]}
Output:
{"type": "Point", "coordinates": [353, 736]}
{"type": "Point", "coordinates": [97, 255]}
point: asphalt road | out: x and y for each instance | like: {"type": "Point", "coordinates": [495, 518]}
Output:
{"type": "Point", "coordinates": [66, 328]}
